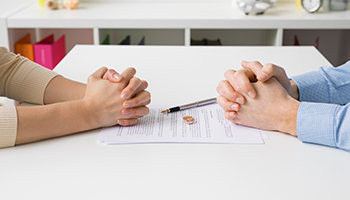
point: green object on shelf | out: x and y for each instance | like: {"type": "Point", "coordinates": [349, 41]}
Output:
{"type": "Point", "coordinates": [106, 41]}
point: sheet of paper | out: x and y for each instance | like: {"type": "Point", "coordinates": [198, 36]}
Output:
{"type": "Point", "coordinates": [210, 127]}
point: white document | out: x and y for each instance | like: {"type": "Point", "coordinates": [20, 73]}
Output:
{"type": "Point", "coordinates": [210, 127]}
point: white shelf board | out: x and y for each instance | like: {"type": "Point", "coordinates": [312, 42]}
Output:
{"type": "Point", "coordinates": [176, 15]}
{"type": "Point", "coordinates": [9, 7]}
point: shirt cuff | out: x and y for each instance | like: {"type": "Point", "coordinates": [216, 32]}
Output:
{"type": "Point", "coordinates": [312, 87]}
{"type": "Point", "coordinates": [8, 126]}
{"type": "Point", "coordinates": [315, 123]}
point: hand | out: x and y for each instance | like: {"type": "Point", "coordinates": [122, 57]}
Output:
{"type": "Point", "coordinates": [255, 71]}
{"type": "Point", "coordinates": [103, 98]}
{"type": "Point", "coordinates": [271, 109]}
{"type": "Point", "coordinates": [134, 94]}
{"type": "Point", "coordinates": [240, 82]}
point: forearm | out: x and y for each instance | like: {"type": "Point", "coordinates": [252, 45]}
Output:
{"type": "Point", "coordinates": [42, 122]}
{"type": "Point", "coordinates": [61, 89]}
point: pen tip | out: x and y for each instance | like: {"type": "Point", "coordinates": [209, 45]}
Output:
{"type": "Point", "coordinates": [164, 111]}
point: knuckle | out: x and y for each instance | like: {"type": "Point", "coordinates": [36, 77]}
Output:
{"type": "Point", "coordinates": [255, 62]}
{"type": "Point", "coordinates": [90, 78]}
{"type": "Point", "coordinates": [229, 73]}
{"type": "Point", "coordinates": [136, 80]}
{"type": "Point", "coordinates": [136, 102]}
{"type": "Point", "coordinates": [238, 74]}
{"type": "Point", "coordinates": [132, 69]}
{"type": "Point", "coordinates": [269, 66]}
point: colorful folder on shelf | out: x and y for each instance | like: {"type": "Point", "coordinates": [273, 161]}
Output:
{"type": "Point", "coordinates": [24, 47]}
{"type": "Point", "coordinates": [49, 53]}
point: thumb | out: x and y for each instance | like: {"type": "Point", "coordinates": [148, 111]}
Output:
{"type": "Point", "coordinates": [278, 72]}
{"type": "Point", "coordinates": [254, 66]}
{"type": "Point", "coordinates": [112, 76]}
{"type": "Point", "coordinates": [98, 74]}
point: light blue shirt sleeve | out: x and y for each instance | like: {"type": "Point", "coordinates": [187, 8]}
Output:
{"type": "Point", "coordinates": [327, 85]}
{"type": "Point", "coordinates": [324, 112]}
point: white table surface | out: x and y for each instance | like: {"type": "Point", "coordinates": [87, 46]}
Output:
{"type": "Point", "coordinates": [79, 167]}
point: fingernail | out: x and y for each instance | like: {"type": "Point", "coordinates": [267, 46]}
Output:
{"type": "Point", "coordinates": [232, 114]}
{"type": "Point", "coordinates": [117, 76]}
{"type": "Point", "coordinates": [127, 105]}
{"type": "Point", "coordinates": [124, 95]}
{"type": "Point", "coordinates": [120, 122]}
{"type": "Point", "coordinates": [126, 112]}
{"type": "Point", "coordinates": [234, 107]}
{"type": "Point", "coordinates": [239, 100]}
{"type": "Point", "coordinates": [263, 75]}
{"type": "Point", "coordinates": [251, 94]}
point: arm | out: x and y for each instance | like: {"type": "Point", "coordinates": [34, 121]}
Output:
{"type": "Point", "coordinates": [101, 106]}
{"type": "Point", "coordinates": [274, 109]}
{"type": "Point", "coordinates": [327, 85]}
{"type": "Point", "coordinates": [325, 124]}
{"type": "Point", "coordinates": [22, 79]}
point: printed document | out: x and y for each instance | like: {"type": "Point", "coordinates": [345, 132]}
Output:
{"type": "Point", "coordinates": [210, 126]}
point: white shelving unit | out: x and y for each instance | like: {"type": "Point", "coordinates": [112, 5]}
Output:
{"type": "Point", "coordinates": [169, 22]}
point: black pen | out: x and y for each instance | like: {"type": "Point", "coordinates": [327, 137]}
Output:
{"type": "Point", "coordinates": [190, 105]}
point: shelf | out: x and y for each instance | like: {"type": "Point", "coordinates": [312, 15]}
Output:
{"type": "Point", "coordinates": [73, 36]}
{"type": "Point", "coordinates": [152, 36]}
{"type": "Point", "coordinates": [238, 37]}
{"type": "Point", "coordinates": [176, 23]}
{"type": "Point", "coordinates": [206, 15]}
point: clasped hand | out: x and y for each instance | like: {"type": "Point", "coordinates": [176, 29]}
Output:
{"type": "Point", "coordinates": [260, 96]}
{"type": "Point", "coordinates": [113, 99]}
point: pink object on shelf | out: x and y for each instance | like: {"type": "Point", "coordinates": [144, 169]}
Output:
{"type": "Point", "coordinates": [49, 53]}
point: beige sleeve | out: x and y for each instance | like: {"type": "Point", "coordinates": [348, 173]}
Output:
{"type": "Point", "coordinates": [23, 80]}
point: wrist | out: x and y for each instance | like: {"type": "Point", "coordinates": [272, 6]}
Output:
{"type": "Point", "coordinates": [88, 113]}
{"type": "Point", "coordinates": [294, 90]}
{"type": "Point", "coordinates": [288, 123]}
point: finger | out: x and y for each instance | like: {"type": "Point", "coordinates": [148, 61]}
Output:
{"type": "Point", "coordinates": [242, 80]}
{"type": "Point", "coordinates": [271, 70]}
{"type": "Point", "coordinates": [112, 76]}
{"type": "Point", "coordinates": [225, 89]}
{"type": "Point", "coordinates": [254, 66]}
{"type": "Point", "coordinates": [144, 98]}
{"type": "Point", "coordinates": [127, 75]}
{"type": "Point", "coordinates": [135, 112]}
{"type": "Point", "coordinates": [230, 115]}
{"type": "Point", "coordinates": [98, 74]}
{"type": "Point", "coordinates": [143, 86]}
{"type": "Point", "coordinates": [127, 92]}
{"type": "Point", "coordinates": [127, 122]}
{"type": "Point", "coordinates": [227, 105]}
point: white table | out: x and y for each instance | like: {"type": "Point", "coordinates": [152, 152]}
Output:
{"type": "Point", "coordinates": [78, 167]}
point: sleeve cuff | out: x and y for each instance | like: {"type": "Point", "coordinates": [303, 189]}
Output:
{"type": "Point", "coordinates": [312, 87]}
{"type": "Point", "coordinates": [315, 123]}
{"type": "Point", "coordinates": [8, 126]}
